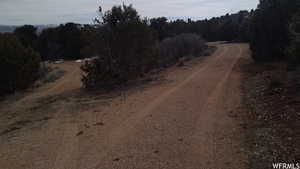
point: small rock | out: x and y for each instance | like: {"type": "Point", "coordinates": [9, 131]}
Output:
{"type": "Point", "coordinates": [180, 139]}
{"type": "Point", "coordinates": [79, 133]}
{"type": "Point", "coordinates": [116, 159]}
{"type": "Point", "coordinates": [99, 124]}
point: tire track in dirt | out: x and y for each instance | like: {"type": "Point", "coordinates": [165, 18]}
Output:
{"type": "Point", "coordinates": [178, 125]}
{"type": "Point", "coordinates": [115, 134]}
{"type": "Point", "coordinates": [138, 139]}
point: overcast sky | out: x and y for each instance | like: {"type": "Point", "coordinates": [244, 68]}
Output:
{"type": "Point", "coordinates": [19, 12]}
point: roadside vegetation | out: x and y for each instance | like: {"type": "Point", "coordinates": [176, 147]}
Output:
{"type": "Point", "coordinates": [129, 49]}
{"type": "Point", "coordinates": [126, 49]}
{"type": "Point", "coordinates": [19, 65]}
{"type": "Point", "coordinates": [270, 29]}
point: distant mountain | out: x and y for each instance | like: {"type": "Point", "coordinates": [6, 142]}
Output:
{"type": "Point", "coordinates": [41, 27]}
{"type": "Point", "coordinates": [11, 28]}
{"type": "Point", "coordinates": [6, 28]}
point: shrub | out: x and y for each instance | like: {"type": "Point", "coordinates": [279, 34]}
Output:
{"type": "Point", "coordinates": [19, 66]}
{"type": "Point", "coordinates": [171, 50]}
{"type": "Point", "coordinates": [125, 52]}
{"type": "Point", "coordinates": [51, 75]}
{"type": "Point", "coordinates": [293, 51]}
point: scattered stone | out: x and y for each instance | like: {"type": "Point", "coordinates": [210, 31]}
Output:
{"type": "Point", "coordinates": [99, 124]}
{"type": "Point", "coordinates": [79, 133]}
{"type": "Point", "coordinates": [116, 159]}
{"type": "Point", "coordinates": [180, 64]}
{"type": "Point", "coordinates": [45, 119]}
{"type": "Point", "coordinates": [270, 115]}
{"type": "Point", "coordinates": [156, 151]}
{"type": "Point", "coordinates": [232, 114]}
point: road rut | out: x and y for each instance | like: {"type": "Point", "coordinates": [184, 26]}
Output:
{"type": "Point", "coordinates": [183, 124]}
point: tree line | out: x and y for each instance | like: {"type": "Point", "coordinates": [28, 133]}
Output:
{"type": "Point", "coordinates": [230, 27]}
{"type": "Point", "coordinates": [75, 41]}
{"type": "Point", "coordinates": [268, 29]}
{"type": "Point", "coordinates": [274, 31]}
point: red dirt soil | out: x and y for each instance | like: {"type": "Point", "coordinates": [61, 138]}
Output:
{"type": "Point", "coordinates": [181, 122]}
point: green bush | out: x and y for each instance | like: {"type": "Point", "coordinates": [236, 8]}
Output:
{"type": "Point", "coordinates": [62, 42]}
{"type": "Point", "coordinates": [19, 66]}
{"type": "Point", "coordinates": [269, 29]}
{"type": "Point", "coordinates": [171, 50]}
{"type": "Point", "coordinates": [125, 49]}
{"type": "Point", "coordinates": [27, 35]}
{"type": "Point", "coordinates": [293, 50]}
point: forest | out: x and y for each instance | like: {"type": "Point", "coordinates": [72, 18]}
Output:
{"type": "Point", "coordinates": [273, 31]}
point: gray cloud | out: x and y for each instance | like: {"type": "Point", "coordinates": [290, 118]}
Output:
{"type": "Point", "coordinates": [18, 12]}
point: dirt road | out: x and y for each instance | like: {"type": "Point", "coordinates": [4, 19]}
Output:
{"type": "Point", "coordinates": [180, 122]}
